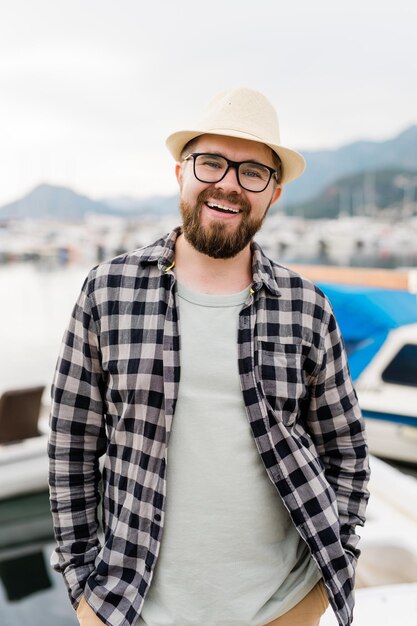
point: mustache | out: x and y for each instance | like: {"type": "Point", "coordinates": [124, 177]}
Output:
{"type": "Point", "coordinates": [211, 193]}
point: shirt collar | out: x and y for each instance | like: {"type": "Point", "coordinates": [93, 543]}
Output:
{"type": "Point", "coordinates": [263, 271]}
{"type": "Point", "coordinates": [162, 252]}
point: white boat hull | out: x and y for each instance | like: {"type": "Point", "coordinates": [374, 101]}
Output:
{"type": "Point", "coordinates": [391, 439]}
{"type": "Point", "coordinates": [23, 467]}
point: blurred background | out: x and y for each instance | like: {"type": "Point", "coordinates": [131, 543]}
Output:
{"type": "Point", "coordinates": [89, 92]}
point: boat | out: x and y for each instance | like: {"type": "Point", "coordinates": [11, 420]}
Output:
{"type": "Point", "coordinates": [23, 441]}
{"type": "Point", "coordinates": [379, 328]}
{"type": "Point", "coordinates": [24, 466]}
{"type": "Point", "coordinates": [387, 392]}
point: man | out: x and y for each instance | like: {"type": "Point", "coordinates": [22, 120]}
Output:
{"type": "Point", "coordinates": [214, 383]}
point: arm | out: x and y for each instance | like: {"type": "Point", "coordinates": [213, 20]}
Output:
{"type": "Point", "coordinates": [86, 615]}
{"type": "Point", "coordinates": [77, 439]}
{"type": "Point", "coordinates": [337, 428]}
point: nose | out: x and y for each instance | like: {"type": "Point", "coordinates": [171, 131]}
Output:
{"type": "Point", "coordinates": [230, 181]}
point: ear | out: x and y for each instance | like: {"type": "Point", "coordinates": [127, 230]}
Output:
{"type": "Point", "coordinates": [276, 194]}
{"type": "Point", "coordinates": [178, 173]}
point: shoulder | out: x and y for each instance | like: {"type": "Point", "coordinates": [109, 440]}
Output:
{"type": "Point", "coordinates": [130, 269]}
{"type": "Point", "coordinates": [288, 285]}
{"type": "Point", "coordinates": [294, 285]}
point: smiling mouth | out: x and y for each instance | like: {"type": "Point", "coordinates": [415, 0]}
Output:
{"type": "Point", "coordinates": [221, 208]}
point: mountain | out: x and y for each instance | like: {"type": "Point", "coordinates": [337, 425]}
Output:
{"type": "Point", "coordinates": [326, 166]}
{"type": "Point", "coordinates": [319, 191]}
{"type": "Point", "coordinates": [48, 201]}
{"type": "Point", "coordinates": [53, 202]}
{"type": "Point", "coordinates": [365, 193]}
{"type": "Point", "coordinates": [157, 205]}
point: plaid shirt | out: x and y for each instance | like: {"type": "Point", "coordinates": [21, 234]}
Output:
{"type": "Point", "coordinates": [115, 392]}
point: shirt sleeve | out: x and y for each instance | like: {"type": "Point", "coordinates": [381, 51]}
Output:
{"type": "Point", "coordinates": [76, 441]}
{"type": "Point", "coordinates": [337, 427]}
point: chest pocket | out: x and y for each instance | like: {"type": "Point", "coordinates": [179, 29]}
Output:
{"type": "Point", "coordinates": [282, 378]}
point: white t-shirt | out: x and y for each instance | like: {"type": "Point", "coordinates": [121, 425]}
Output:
{"type": "Point", "coordinates": [230, 554]}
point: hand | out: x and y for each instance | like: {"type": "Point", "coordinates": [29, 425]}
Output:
{"type": "Point", "coordinates": [86, 615]}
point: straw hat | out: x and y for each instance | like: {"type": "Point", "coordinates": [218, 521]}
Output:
{"type": "Point", "coordinates": [246, 114]}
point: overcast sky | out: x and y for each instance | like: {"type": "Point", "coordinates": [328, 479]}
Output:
{"type": "Point", "coordinates": [89, 89]}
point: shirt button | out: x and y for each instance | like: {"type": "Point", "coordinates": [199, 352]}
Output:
{"type": "Point", "coordinates": [148, 568]}
{"type": "Point", "coordinates": [157, 517]}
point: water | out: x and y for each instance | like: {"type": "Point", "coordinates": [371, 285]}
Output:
{"type": "Point", "coordinates": [35, 306]}
{"type": "Point", "coordinates": [31, 593]}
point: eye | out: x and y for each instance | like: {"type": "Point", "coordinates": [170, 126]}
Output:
{"type": "Point", "coordinates": [251, 173]}
{"type": "Point", "coordinates": [253, 170]}
{"type": "Point", "coordinates": [210, 162]}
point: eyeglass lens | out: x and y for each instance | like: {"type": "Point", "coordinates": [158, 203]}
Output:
{"type": "Point", "coordinates": [211, 168]}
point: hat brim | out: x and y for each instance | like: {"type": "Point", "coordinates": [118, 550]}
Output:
{"type": "Point", "coordinates": [293, 163]}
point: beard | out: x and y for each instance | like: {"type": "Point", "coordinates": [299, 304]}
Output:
{"type": "Point", "coordinates": [217, 239]}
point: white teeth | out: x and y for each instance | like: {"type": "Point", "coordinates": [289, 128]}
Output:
{"type": "Point", "coordinates": [222, 207]}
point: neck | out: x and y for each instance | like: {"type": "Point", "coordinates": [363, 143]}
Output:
{"type": "Point", "coordinates": [214, 276]}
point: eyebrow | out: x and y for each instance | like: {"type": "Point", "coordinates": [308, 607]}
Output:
{"type": "Point", "coordinates": [254, 161]}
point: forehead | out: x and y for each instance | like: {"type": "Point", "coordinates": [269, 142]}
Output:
{"type": "Point", "coordinates": [234, 148]}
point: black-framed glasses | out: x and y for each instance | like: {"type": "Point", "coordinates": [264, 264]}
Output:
{"type": "Point", "coordinates": [212, 168]}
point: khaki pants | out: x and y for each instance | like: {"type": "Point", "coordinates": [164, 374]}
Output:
{"type": "Point", "coordinates": [306, 613]}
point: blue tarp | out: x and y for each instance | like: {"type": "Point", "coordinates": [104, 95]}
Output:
{"type": "Point", "coordinates": [366, 315]}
